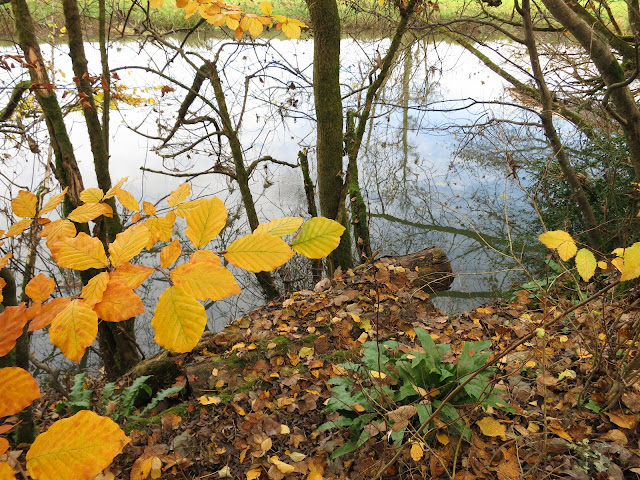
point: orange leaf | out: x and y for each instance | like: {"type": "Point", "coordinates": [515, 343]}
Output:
{"type": "Point", "coordinates": [112, 191]}
{"type": "Point", "coordinates": [149, 208]}
{"type": "Point", "coordinates": [204, 281]}
{"type": "Point", "coordinates": [12, 321]}
{"type": "Point", "coordinates": [205, 256]}
{"type": "Point", "coordinates": [24, 205]}
{"type": "Point", "coordinates": [205, 221]}
{"type": "Point", "coordinates": [128, 244]}
{"type": "Point", "coordinates": [2, 285]}
{"type": "Point", "coordinates": [178, 320]}
{"type": "Point", "coordinates": [17, 390]}
{"type": "Point", "coordinates": [58, 229]}
{"type": "Point", "coordinates": [74, 329]}
{"type": "Point", "coordinates": [92, 195]}
{"type": "Point", "coordinates": [79, 253]}
{"type": "Point", "coordinates": [52, 203]}
{"type": "Point", "coordinates": [40, 287]}
{"type": "Point", "coordinates": [4, 446]}
{"type": "Point", "coordinates": [127, 200]}
{"type": "Point", "coordinates": [48, 313]}
{"type": "Point", "coordinates": [18, 227]}
{"type": "Point", "coordinates": [131, 275]}
{"type": "Point", "coordinates": [93, 291]}
{"type": "Point", "coordinates": [90, 211]}
{"type": "Point", "coordinates": [170, 253]}
{"type": "Point", "coordinates": [179, 195]}
{"type": "Point", "coordinates": [119, 303]}
{"type": "Point", "coordinates": [4, 260]}
{"type": "Point", "coordinates": [76, 448]}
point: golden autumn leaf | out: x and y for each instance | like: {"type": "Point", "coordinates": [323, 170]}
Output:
{"type": "Point", "coordinates": [78, 253]}
{"type": "Point", "coordinates": [12, 321]}
{"type": "Point", "coordinates": [141, 468]}
{"type": "Point", "coordinates": [492, 427]}
{"type": "Point", "coordinates": [291, 30]}
{"type": "Point", "coordinates": [161, 230]}
{"type": "Point", "coordinates": [74, 329]}
{"type": "Point", "coordinates": [178, 320]}
{"type": "Point", "coordinates": [76, 448]}
{"type": "Point", "coordinates": [18, 389]}
{"type": "Point", "coordinates": [40, 287]}
{"type": "Point", "coordinates": [149, 208]}
{"type": "Point", "coordinates": [258, 252]}
{"type": "Point", "coordinates": [280, 226]}
{"type": "Point", "coordinates": [118, 303]}
{"type": "Point", "coordinates": [319, 237]}
{"type": "Point", "coordinates": [24, 204]}
{"type": "Point", "coordinates": [48, 313]}
{"type": "Point", "coordinates": [4, 446]}
{"type": "Point", "coordinates": [4, 260]}
{"type": "Point", "coordinates": [281, 466]}
{"type": "Point", "coordinates": [183, 209]}
{"type": "Point", "coordinates": [179, 195]}
{"type": "Point", "coordinates": [6, 472]}
{"type": "Point", "coordinates": [53, 202]}
{"type": "Point", "coordinates": [128, 244]}
{"type": "Point", "coordinates": [155, 3]}
{"type": "Point", "coordinates": [93, 291]}
{"type": "Point", "coordinates": [204, 281]}
{"type": "Point", "coordinates": [131, 275]}
{"type": "Point", "coordinates": [560, 241]}
{"type": "Point", "coordinates": [205, 256]}
{"type": "Point", "coordinates": [92, 195]}
{"type": "Point", "coordinates": [416, 452]}
{"type": "Point", "coordinates": [254, 473]}
{"type": "Point", "coordinates": [205, 221]}
{"type": "Point", "coordinates": [127, 200]}
{"type": "Point", "coordinates": [112, 191]}
{"type": "Point", "coordinates": [170, 254]}
{"type": "Point", "coordinates": [266, 8]}
{"type": "Point", "coordinates": [586, 264]}
{"type": "Point", "coordinates": [90, 211]}
{"type": "Point", "coordinates": [631, 266]}
{"type": "Point", "coordinates": [58, 229]}
{"type": "Point", "coordinates": [18, 227]}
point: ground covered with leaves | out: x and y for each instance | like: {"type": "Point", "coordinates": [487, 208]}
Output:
{"type": "Point", "coordinates": [563, 403]}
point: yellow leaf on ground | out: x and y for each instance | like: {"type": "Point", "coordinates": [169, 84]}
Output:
{"type": "Point", "coordinates": [254, 473]}
{"type": "Point", "coordinates": [131, 275]}
{"type": "Point", "coordinates": [127, 200]}
{"type": "Point", "coordinates": [280, 226]}
{"type": "Point", "coordinates": [93, 291]}
{"type": "Point", "coordinates": [586, 264]}
{"type": "Point", "coordinates": [53, 202]}
{"type": "Point", "coordinates": [79, 253]}
{"type": "Point", "coordinates": [76, 448]}
{"type": "Point", "coordinates": [258, 252]}
{"type": "Point", "coordinates": [128, 244]}
{"type": "Point", "coordinates": [112, 191]}
{"type": "Point", "coordinates": [560, 241]}
{"type": "Point", "coordinates": [58, 229]}
{"type": "Point", "coordinates": [416, 452]}
{"type": "Point", "coordinates": [74, 329]}
{"type": "Point", "coordinates": [18, 227]}
{"type": "Point", "coordinates": [179, 195]}
{"type": "Point", "coordinates": [205, 221]}
{"type": "Point", "coordinates": [12, 321]}
{"type": "Point", "coordinates": [492, 427]}
{"type": "Point", "coordinates": [48, 313]}
{"type": "Point", "coordinates": [204, 281]}
{"type": "Point", "coordinates": [92, 195]}
{"type": "Point", "coordinates": [170, 254]}
{"type": "Point", "coordinates": [24, 205]}
{"type": "Point", "coordinates": [631, 267]}
{"type": "Point", "coordinates": [90, 211]}
{"type": "Point", "coordinates": [205, 256]}
{"type": "Point", "coordinates": [17, 390]}
{"type": "Point", "coordinates": [178, 320]}
{"type": "Point", "coordinates": [282, 466]}
{"type": "Point", "coordinates": [119, 303]}
{"type": "Point", "coordinates": [318, 238]}
{"type": "Point", "coordinates": [141, 468]}
{"type": "Point", "coordinates": [40, 287]}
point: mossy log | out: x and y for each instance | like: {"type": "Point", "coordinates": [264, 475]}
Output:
{"type": "Point", "coordinates": [432, 268]}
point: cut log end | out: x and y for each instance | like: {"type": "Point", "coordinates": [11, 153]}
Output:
{"type": "Point", "coordinates": [432, 266]}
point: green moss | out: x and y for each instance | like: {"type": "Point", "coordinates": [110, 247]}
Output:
{"type": "Point", "coordinates": [143, 423]}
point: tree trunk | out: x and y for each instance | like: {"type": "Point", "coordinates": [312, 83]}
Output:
{"type": "Point", "coordinates": [325, 21]}
{"type": "Point", "coordinates": [431, 268]}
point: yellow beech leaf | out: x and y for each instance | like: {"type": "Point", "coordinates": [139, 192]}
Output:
{"type": "Point", "coordinates": [76, 448]}
{"type": "Point", "coordinates": [74, 329]}
{"type": "Point", "coordinates": [443, 438]}
{"type": "Point", "coordinates": [602, 265]}
{"type": "Point", "coordinates": [280, 465]}
{"type": "Point", "coordinates": [112, 191]}
{"type": "Point", "coordinates": [128, 244]}
{"type": "Point", "coordinates": [3, 283]}
{"type": "Point", "coordinates": [149, 208]}
{"type": "Point", "coordinates": [90, 211]}
{"type": "Point", "coordinates": [127, 200]}
{"type": "Point", "coordinates": [376, 374]}
{"type": "Point", "coordinates": [48, 313]}
{"type": "Point", "coordinates": [40, 287]}
{"type": "Point", "coordinates": [204, 400]}
{"type": "Point", "coordinates": [631, 267]}
{"type": "Point", "coordinates": [161, 230]}
{"type": "Point", "coordinates": [119, 303]}
{"type": "Point", "coordinates": [560, 241]}
{"type": "Point", "coordinates": [204, 281]}
{"type": "Point", "coordinates": [183, 209]}
{"type": "Point", "coordinates": [280, 226]}
{"type": "Point", "coordinates": [416, 452]}
{"type": "Point", "coordinates": [291, 30]}
{"type": "Point", "coordinates": [205, 221]}
{"type": "Point", "coordinates": [266, 8]}
{"type": "Point", "coordinates": [12, 321]}
{"type": "Point", "coordinates": [586, 264]}
{"type": "Point", "coordinates": [4, 446]}
{"type": "Point", "coordinates": [25, 204]}
{"type": "Point", "coordinates": [141, 468]}
{"type": "Point", "coordinates": [17, 390]}
{"type": "Point", "coordinates": [92, 195]}
{"type": "Point", "coordinates": [93, 291]}
{"type": "Point", "coordinates": [58, 229]}
{"type": "Point", "coordinates": [492, 427]}
{"type": "Point", "coordinates": [178, 320]}
{"type": "Point", "coordinates": [618, 262]}
{"type": "Point", "coordinates": [205, 256]}
{"type": "Point", "coordinates": [318, 238]}
{"type": "Point", "coordinates": [258, 252]}
{"type": "Point", "coordinates": [254, 474]}
{"type": "Point", "coordinates": [53, 202]}
{"type": "Point", "coordinates": [6, 472]}
{"type": "Point", "coordinates": [4, 260]}
{"type": "Point", "coordinates": [131, 275]}
{"type": "Point", "coordinates": [179, 195]}
{"type": "Point", "coordinates": [18, 227]}
{"type": "Point", "coordinates": [79, 253]}
{"type": "Point", "coordinates": [170, 254]}
{"type": "Point", "coordinates": [155, 3]}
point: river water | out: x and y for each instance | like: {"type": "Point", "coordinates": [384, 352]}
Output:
{"type": "Point", "coordinates": [432, 172]}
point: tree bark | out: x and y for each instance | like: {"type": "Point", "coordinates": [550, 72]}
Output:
{"type": "Point", "coordinates": [430, 266]}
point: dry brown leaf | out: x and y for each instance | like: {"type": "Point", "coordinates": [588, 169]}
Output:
{"type": "Point", "coordinates": [492, 427]}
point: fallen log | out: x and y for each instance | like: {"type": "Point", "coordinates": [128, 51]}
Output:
{"type": "Point", "coordinates": [431, 266]}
